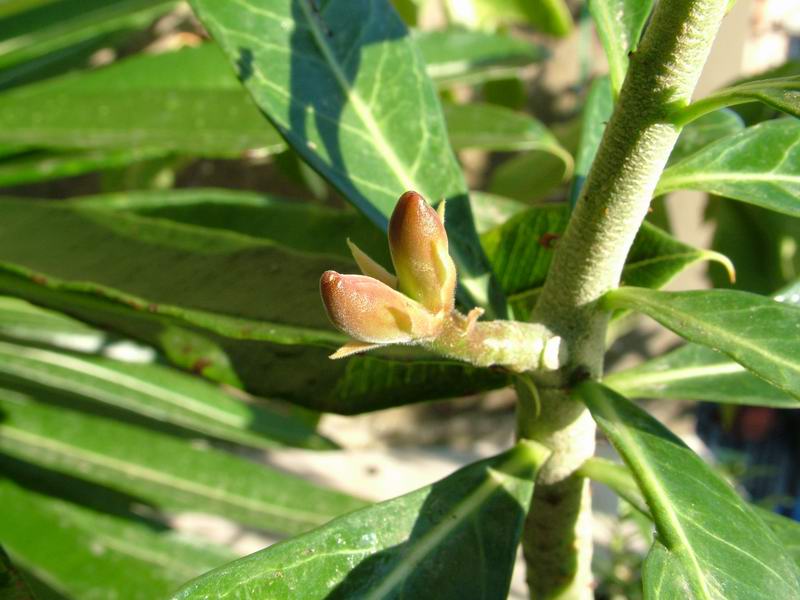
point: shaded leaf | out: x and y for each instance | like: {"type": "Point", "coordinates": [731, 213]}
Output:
{"type": "Point", "coordinates": [521, 251]}
{"type": "Point", "coordinates": [709, 543]}
{"type": "Point", "coordinates": [780, 93]}
{"type": "Point", "coordinates": [160, 470]}
{"type": "Point", "coordinates": [596, 113]}
{"type": "Point", "coordinates": [760, 165]}
{"type": "Point", "coordinates": [347, 89]}
{"type": "Point", "coordinates": [12, 585]}
{"type": "Point", "coordinates": [237, 309]}
{"type": "Point", "coordinates": [491, 127]}
{"type": "Point", "coordinates": [156, 392]}
{"type": "Point", "coordinates": [619, 26]}
{"type": "Point", "coordinates": [759, 333]}
{"type": "Point", "coordinates": [456, 55]}
{"type": "Point", "coordinates": [468, 524]}
{"type": "Point", "coordinates": [86, 554]}
{"type": "Point", "coordinates": [531, 176]}
{"type": "Point", "coordinates": [37, 40]}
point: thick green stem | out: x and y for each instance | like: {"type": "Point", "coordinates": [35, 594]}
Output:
{"type": "Point", "coordinates": [587, 263]}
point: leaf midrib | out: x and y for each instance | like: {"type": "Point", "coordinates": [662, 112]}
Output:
{"type": "Point", "coordinates": [657, 495]}
{"type": "Point", "coordinates": [361, 109]}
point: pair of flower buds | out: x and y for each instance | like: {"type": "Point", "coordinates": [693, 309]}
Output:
{"type": "Point", "coordinates": [378, 308]}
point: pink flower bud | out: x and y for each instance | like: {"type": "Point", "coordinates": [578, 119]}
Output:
{"type": "Point", "coordinates": [418, 242]}
{"type": "Point", "coordinates": [370, 311]}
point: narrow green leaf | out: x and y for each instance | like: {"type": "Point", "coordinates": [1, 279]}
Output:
{"type": "Point", "coordinates": [40, 37]}
{"type": "Point", "coordinates": [619, 478]}
{"type": "Point", "coordinates": [159, 393]}
{"type": "Point", "coordinates": [160, 470]}
{"type": "Point", "coordinates": [462, 56]}
{"type": "Point", "coordinates": [596, 113]}
{"type": "Point", "coordinates": [760, 165]}
{"type": "Point", "coordinates": [492, 127]}
{"type": "Point", "coordinates": [521, 251]}
{"type": "Point", "coordinates": [186, 101]}
{"type": "Point", "coordinates": [21, 321]}
{"type": "Point", "coordinates": [43, 166]}
{"type": "Point", "coordinates": [705, 130]}
{"type": "Point", "coordinates": [759, 333]}
{"type": "Point", "coordinates": [237, 309]}
{"type": "Point", "coordinates": [12, 585]}
{"type": "Point", "coordinates": [299, 225]}
{"type": "Point", "coordinates": [710, 544]}
{"type": "Point", "coordinates": [619, 25]}
{"type": "Point", "coordinates": [81, 553]}
{"type": "Point", "coordinates": [756, 112]}
{"type": "Point", "coordinates": [347, 89]}
{"type": "Point", "coordinates": [780, 93]}
{"type": "Point", "coordinates": [454, 539]}
{"type": "Point", "coordinates": [698, 373]}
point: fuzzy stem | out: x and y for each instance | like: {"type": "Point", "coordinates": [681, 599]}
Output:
{"type": "Point", "coordinates": [588, 262]}
{"type": "Point", "coordinates": [513, 345]}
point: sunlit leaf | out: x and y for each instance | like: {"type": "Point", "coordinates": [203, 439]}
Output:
{"type": "Point", "coordinates": [760, 165]}
{"type": "Point", "coordinates": [619, 25]}
{"type": "Point", "coordinates": [454, 539]}
{"type": "Point", "coordinates": [158, 469]}
{"type": "Point", "coordinates": [346, 87]}
{"type": "Point", "coordinates": [780, 93]}
{"type": "Point", "coordinates": [709, 544]}
{"type": "Point", "coordinates": [757, 332]}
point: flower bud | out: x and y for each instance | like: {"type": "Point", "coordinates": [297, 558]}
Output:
{"type": "Point", "coordinates": [418, 243]}
{"type": "Point", "coordinates": [370, 311]}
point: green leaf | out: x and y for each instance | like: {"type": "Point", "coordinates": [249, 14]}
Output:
{"type": "Point", "coordinates": [786, 530]}
{"type": "Point", "coordinates": [158, 469]}
{"type": "Point", "coordinates": [761, 243]}
{"type": "Point", "coordinates": [705, 130]}
{"type": "Point", "coordinates": [521, 250]}
{"type": "Point", "coordinates": [347, 89]}
{"type": "Point", "coordinates": [780, 93]}
{"type": "Point", "coordinates": [756, 112]}
{"type": "Point", "coordinates": [21, 321]}
{"type": "Point", "coordinates": [548, 16]}
{"type": "Point", "coordinates": [156, 392]}
{"type": "Point", "coordinates": [698, 373]}
{"type": "Point", "coordinates": [492, 211]}
{"type": "Point", "coordinates": [454, 539]}
{"type": "Point", "coordinates": [709, 544]}
{"type": "Point", "coordinates": [81, 553]}
{"type": "Point", "coordinates": [760, 165]}
{"type": "Point", "coordinates": [759, 333]}
{"type": "Point", "coordinates": [531, 176]}
{"type": "Point", "coordinates": [596, 113]}
{"type": "Point", "coordinates": [619, 479]}
{"type": "Point", "coordinates": [491, 127]}
{"type": "Point", "coordinates": [298, 225]}
{"type": "Point", "coordinates": [215, 302]}
{"type": "Point", "coordinates": [43, 166]}
{"type": "Point", "coordinates": [12, 585]}
{"type": "Point", "coordinates": [460, 56]}
{"type": "Point", "coordinates": [39, 38]}
{"type": "Point", "coordinates": [619, 25]}
{"type": "Point", "coordinates": [185, 101]}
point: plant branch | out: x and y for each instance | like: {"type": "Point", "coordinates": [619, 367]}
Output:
{"type": "Point", "coordinates": [588, 262]}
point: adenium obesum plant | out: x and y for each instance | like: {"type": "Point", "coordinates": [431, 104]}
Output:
{"type": "Point", "coordinates": [417, 305]}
